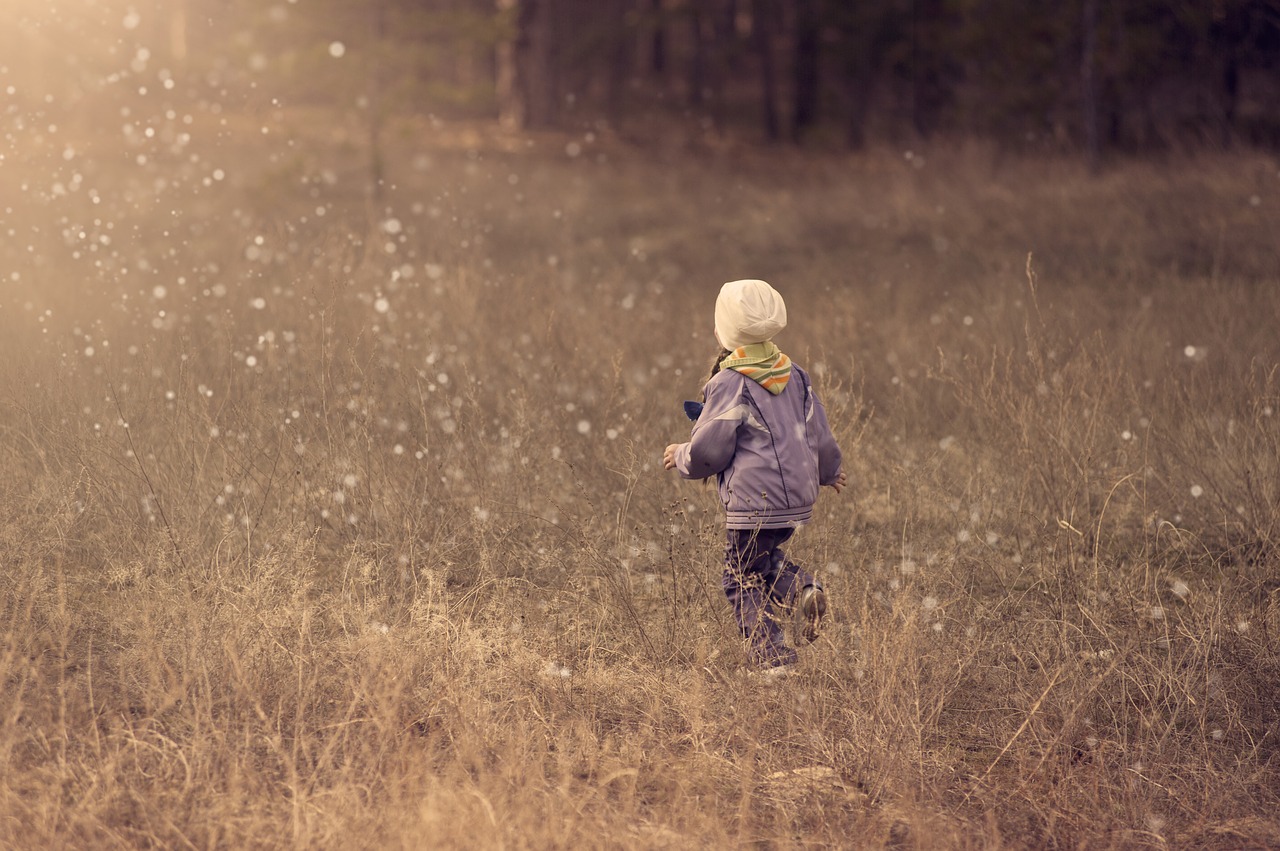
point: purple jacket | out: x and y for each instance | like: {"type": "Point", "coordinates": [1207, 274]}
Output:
{"type": "Point", "coordinates": [769, 453]}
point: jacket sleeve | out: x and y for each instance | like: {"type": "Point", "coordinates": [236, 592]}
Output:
{"type": "Point", "coordinates": [829, 457]}
{"type": "Point", "coordinates": [715, 435]}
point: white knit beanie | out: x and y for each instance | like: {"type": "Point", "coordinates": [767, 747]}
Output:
{"type": "Point", "coordinates": [748, 312]}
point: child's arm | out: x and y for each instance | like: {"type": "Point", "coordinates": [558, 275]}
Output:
{"type": "Point", "coordinates": [715, 434]}
{"type": "Point", "coordinates": [830, 471]}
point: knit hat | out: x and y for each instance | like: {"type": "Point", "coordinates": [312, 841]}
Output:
{"type": "Point", "coordinates": [748, 312]}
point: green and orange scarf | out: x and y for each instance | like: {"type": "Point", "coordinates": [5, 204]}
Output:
{"type": "Point", "coordinates": [763, 363]}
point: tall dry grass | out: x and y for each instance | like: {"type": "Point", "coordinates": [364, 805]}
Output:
{"type": "Point", "coordinates": [330, 529]}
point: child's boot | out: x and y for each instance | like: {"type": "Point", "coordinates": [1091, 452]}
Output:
{"type": "Point", "coordinates": [811, 608]}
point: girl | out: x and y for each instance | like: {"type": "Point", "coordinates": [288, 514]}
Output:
{"type": "Point", "coordinates": [764, 435]}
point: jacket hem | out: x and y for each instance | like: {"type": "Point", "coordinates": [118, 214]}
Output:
{"type": "Point", "coordinates": [772, 520]}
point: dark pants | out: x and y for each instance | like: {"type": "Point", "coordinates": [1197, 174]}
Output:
{"type": "Point", "coordinates": [762, 585]}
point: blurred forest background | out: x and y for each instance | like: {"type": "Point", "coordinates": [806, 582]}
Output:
{"type": "Point", "coordinates": [1078, 75]}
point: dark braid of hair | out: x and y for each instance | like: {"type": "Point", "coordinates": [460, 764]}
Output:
{"type": "Point", "coordinates": [715, 367]}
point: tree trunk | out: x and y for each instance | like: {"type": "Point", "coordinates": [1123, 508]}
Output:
{"type": "Point", "coordinates": [805, 68]}
{"type": "Point", "coordinates": [698, 61]}
{"type": "Point", "coordinates": [1230, 97]}
{"type": "Point", "coordinates": [657, 40]}
{"type": "Point", "coordinates": [858, 91]}
{"type": "Point", "coordinates": [512, 99]}
{"type": "Point", "coordinates": [760, 24]}
{"type": "Point", "coordinates": [928, 93]}
{"type": "Point", "coordinates": [726, 26]}
{"type": "Point", "coordinates": [620, 60]}
{"type": "Point", "coordinates": [1226, 33]}
{"type": "Point", "coordinates": [377, 43]}
{"type": "Point", "coordinates": [1089, 85]}
{"type": "Point", "coordinates": [527, 83]}
{"type": "Point", "coordinates": [542, 71]}
{"type": "Point", "coordinates": [723, 53]}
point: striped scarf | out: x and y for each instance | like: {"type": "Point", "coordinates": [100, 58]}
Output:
{"type": "Point", "coordinates": [763, 363]}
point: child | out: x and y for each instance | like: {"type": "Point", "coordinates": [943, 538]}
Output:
{"type": "Point", "coordinates": [764, 435]}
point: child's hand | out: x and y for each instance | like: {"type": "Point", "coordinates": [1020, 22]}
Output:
{"type": "Point", "coordinates": [669, 457]}
{"type": "Point", "coordinates": [840, 482]}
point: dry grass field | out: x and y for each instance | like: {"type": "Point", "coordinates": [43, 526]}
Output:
{"type": "Point", "coordinates": [339, 522]}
